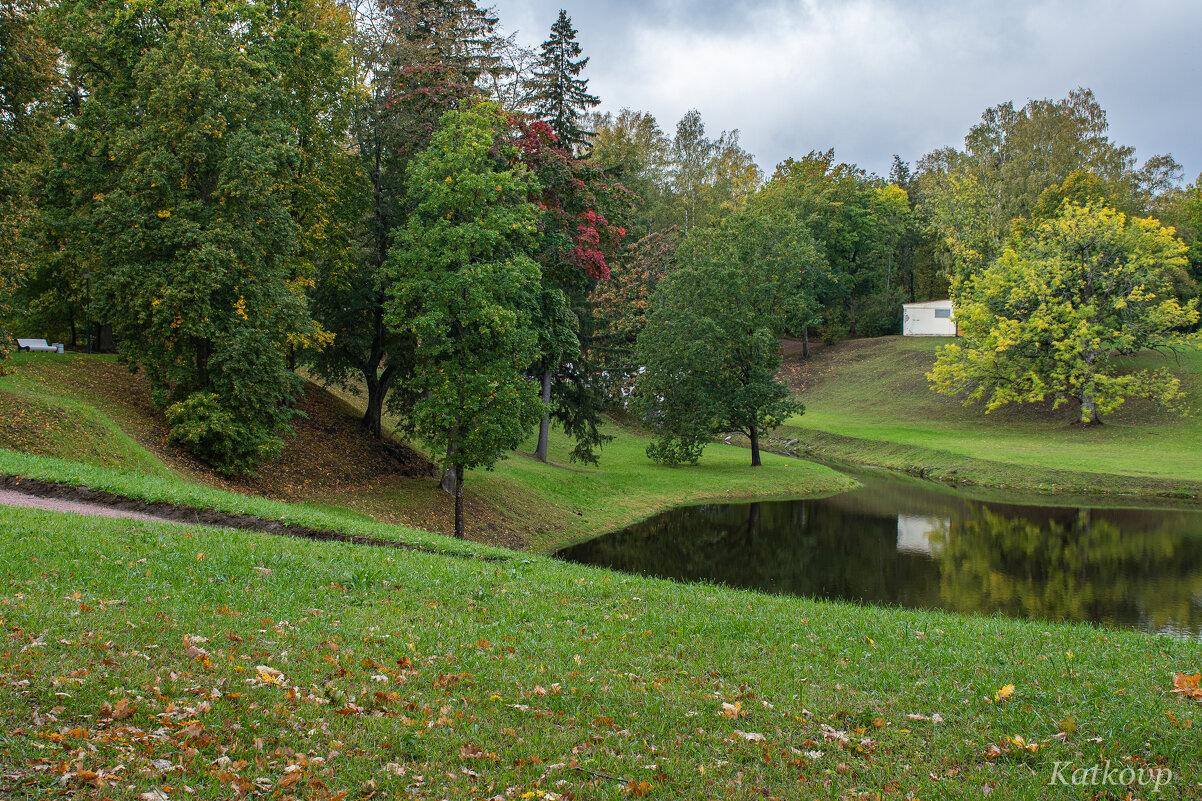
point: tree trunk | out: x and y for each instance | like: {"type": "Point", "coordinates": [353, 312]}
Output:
{"type": "Point", "coordinates": [1089, 410]}
{"type": "Point", "coordinates": [1089, 407]}
{"type": "Point", "coordinates": [377, 391]}
{"type": "Point", "coordinates": [459, 501]}
{"type": "Point", "coordinates": [805, 342]}
{"type": "Point", "coordinates": [544, 425]}
{"type": "Point", "coordinates": [755, 446]}
{"type": "Point", "coordinates": [374, 411]}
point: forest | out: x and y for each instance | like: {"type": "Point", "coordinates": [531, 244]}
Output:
{"type": "Point", "coordinates": [401, 200]}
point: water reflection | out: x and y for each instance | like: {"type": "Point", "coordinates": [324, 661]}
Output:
{"type": "Point", "coordinates": [898, 542]}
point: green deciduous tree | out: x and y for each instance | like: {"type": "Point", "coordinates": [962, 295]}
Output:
{"type": "Point", "coordinates": [710, 348]}
{"type": "Point", "coordinates": [561, 96]}
{"type": "Point", "coordinates": [181, 162]}
{"type": "Point", "coordinates": [858, 221]}
{"type": "Point", "coordinates": [419, 59]}
{"type": "Point", "coordinates": [1051, 316]}
{"type": "Point", "coordinates": [28, 74]}
{"type": "Point", "coordinates": [463, 281]}
{"type": "Point", "coordinates": [1183, 210]}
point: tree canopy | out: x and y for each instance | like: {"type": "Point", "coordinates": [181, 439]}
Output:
{"type": "Point", "coordinates": [709, 349]}
{"type": "Point", "coordinates": [1052, 316]}
{"type": "Point", "coordinates": [464, 283]}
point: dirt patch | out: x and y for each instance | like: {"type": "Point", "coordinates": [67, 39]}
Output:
{"type": "Point", "coordinates": [327, 449]}
{"type": "Point", "coordinates": [73, 498]}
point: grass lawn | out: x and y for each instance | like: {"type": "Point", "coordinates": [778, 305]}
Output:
{"type": "Point", "coordinates": [201, 663]}
{"type": "Point", "coordinates": [876, 391]}
{"type": "Point", "coordinates": [93, 413]}
{"type": "Point", "coordinates": [555, 504]}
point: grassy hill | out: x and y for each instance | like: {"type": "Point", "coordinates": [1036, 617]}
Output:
{"type": "Point", "coordinates": [92, 410]}
{"type": "Point", "coordinates": [869, 401]}
{"type": "Point", "coordinates": [140, 658]}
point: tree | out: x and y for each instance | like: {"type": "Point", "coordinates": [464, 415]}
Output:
{"type": "Point", "coordinates": [1050, 318]}
{"type": "Point", "coordinates": [463, 283]}
{"type": "Point", "coordinates": [858, 221]}
{"type": "Point", "coordinates": [27, 75]}
{"type": "Point", "coordinates": [1011, 156]}
{"type": "Point", "coordinates": [1183, 210]}
{"type": "Point", "coordinates": [179, 160]}
{"type": "Point", "coordinates": [421, 58]}
{"type": "Point", "coordinates": [710, 348]}
{"type": "Point", "coordinates": [631, 148]}
{"type": "Point", "coordinates": [577, 243]}
{"type": "Point", "coordinates": [560, 95]}
{"type": "Point", "coordinates": [618, 309]}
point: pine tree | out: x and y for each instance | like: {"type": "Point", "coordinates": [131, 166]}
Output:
{"type": "Point", "coordinates": [561, 95]}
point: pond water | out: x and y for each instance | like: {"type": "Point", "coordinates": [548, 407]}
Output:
{"type": "Point", "coordinates": [902, 542]}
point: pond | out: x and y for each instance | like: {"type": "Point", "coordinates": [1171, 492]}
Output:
{"type": "Point", "coordinates": [902, 542]}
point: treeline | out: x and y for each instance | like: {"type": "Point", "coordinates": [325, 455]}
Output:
{"type": "Point", "coordinates": [399, 199]}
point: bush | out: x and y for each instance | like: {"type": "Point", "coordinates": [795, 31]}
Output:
{"type": "Point", "coordinates": [202, 425]}
{"type": "Point", "coordinates": [676, 450]}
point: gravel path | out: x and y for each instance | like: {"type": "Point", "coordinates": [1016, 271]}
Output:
{"type": "Point", "coordinates": [11, 498]}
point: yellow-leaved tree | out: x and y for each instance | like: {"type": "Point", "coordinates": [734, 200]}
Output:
{"type": "Point", "coordinates": [1052, 316]}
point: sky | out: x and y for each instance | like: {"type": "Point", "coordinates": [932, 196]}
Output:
{"type": "Point", "coordinates": [872, 78]}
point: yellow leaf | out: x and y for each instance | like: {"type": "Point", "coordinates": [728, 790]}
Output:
{"type": "Point", "coordinates": [1004, 693]}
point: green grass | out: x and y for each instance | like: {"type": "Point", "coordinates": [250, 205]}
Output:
{"type": "Point", "coordinates": [173, 490]}
{"type": "Point", "coordinates": [870, 401]}
{"type": "Point", "coordinates": [130, 659]}
{"type": "Point", "coordinates": [523, 503]}
{"type": "Point", "coordinates": [561, 503]}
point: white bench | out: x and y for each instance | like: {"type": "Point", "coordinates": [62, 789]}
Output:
{"type": "Point", "coordinates": [40, 345]}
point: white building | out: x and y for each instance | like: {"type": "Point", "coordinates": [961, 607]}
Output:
{"type": "Point", "coordinates": [930, 319]}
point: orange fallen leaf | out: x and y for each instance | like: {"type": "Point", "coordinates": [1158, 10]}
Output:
{"type": "Point", "coordinates": [1188, 685]}
{"type": "Point", "coordinates": [639, 788]}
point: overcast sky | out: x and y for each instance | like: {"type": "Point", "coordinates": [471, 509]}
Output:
{"type": "Point", "coordinates": [876, 77]}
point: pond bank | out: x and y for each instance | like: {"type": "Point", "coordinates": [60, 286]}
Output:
{"type": "Point", "coordinates": [958, 470]}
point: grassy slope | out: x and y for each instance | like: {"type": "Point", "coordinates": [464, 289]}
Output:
{"type": "Point", "coordinates": [445, 678]}
{"type": "Point", "coordinates": [875, 392]}
{"type": "Point", "coordinates": [552, 505]}
{"type": "Point", "coordinates": [522, 504]}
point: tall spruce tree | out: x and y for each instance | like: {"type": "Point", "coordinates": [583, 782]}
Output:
{"type": "Point", "coordinates": [561, 95]}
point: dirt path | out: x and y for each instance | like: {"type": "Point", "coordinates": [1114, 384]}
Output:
{"type": "Point", "coordinates": [56, 497]}
{"type": "Point", "coordinates": [13, 498]}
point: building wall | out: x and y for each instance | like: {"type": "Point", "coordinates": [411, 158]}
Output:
{"type": "Point", "coordinates": [925, 320]}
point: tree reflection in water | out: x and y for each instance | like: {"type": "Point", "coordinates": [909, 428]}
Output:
{"type": "Point", "coordinates": [901, 543]}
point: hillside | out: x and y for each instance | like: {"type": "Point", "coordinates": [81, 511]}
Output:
{"type": "Point", "coordinates": [868, 401]}
{"type": "Point", "coordinates": [94, 411]}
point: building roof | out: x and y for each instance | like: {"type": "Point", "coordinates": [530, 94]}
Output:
{"type": "Point", "coordinates": [928, 304]}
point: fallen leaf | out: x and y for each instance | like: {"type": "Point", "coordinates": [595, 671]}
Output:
{"type": "Point", "coordinates": [749, 735]}
{"type": "Point", "coordinates": [1188, 685]}
{"type": "Point", "coordinates": [639, 788]}
{"type": "Point", "coordinates": [1004, 693]}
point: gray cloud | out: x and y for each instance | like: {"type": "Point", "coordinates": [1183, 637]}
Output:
{"type": "Point", "coordinates": [876, 77]}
